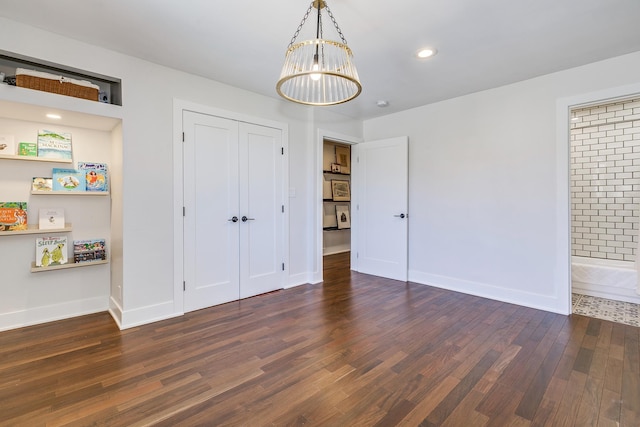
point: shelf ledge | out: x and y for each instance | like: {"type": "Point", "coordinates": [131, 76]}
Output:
{"type": "Point", "coordinates": [33, 229]}
{"type": "Point", "coordinates": [35, 269]}
{"type": "Point", "coordinates": [33, 158]}
{"type": "Point", "coordinates": [70, 193]}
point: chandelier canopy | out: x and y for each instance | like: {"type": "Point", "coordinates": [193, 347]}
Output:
{"type": "Point", "coordinates": [319, 71]}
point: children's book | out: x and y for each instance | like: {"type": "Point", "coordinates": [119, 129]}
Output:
{"type": "Point", "coordinates": [50, 218]}
{"type": "Point", "coordinates": [51, 251]}
{"type": "Point", "coordinates": [7, 145]}
{"type": "Point", "coordinates": [89, 250]}
{"type": "Point", "coordinates": [95, 175]}
{"type": "Point", "coordinates": [54, 145]}
{"type": "Point", "coordinates": [29, 149]}
{"type": "Point", "coordinates": [13, 216]}
{"type": "Point", "coordinates": [41, 184]}
{"type": "Point", "coordinates": [68, 180]}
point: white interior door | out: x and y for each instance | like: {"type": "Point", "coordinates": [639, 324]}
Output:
{"type": "Point", "coordinates": [382, 203]}
{"type": "Point", "coordinates": [261, 210]}
{"type": "Point", "coordinates": [211, 198]}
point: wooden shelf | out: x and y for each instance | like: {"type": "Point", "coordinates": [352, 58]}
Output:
{"type": "Point", "coordinates": [33, 229]}
{"type": "Point", "coordinates": [334, 229]}
{"type": "Point", "coordinates": [35, 269]}
{"type": "Point", "coordinates": [336, 173]}
{"type": "Point", "coordinates": [70, 193]}
{"type": "Point", "coordinates": [33, 158]}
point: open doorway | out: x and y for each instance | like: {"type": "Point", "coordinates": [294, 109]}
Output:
{"type": "Point", "coordinates": [336, 197]}
{"type": "Point", "coordinates": [604, 195]}
{"type": "Point", "coordinates": [328, 238]}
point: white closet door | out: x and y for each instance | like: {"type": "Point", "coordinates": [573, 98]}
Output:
{"type": "Point", "coordinates": [382, 229]}
{"type": "Point", "coordinates": [261, 201]}
{"type": "Point", "coordinates": [211, 198]}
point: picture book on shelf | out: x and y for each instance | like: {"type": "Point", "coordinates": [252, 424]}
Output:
{"type": "Point", "coordinates": [51, 251]}
{"type": "Point", "coordinates": [13, 216]}
{"type": "Point", "coordinates": [50, 218]}
{"type": "Point", "coordinates": [29, 149]}
{"type": "Point", "coordinates": [54, 145]}
{"type": "Point", "coordinates": [68, 180]}
{"type": "Point", "coordinates": [89, 250]}
{"type": "Point", "coordinates": [7, 145]}
{"type": "Point", "coordinates": [95, 175]}
{"type": "Point", "coordinates": [41, 184]}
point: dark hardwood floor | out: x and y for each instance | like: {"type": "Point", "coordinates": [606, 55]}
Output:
{"type": "Point", "coordinates": [354, 351]}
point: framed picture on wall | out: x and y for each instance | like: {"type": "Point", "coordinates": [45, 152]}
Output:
{"type": "Point", "coordinates": [343, 217]}
{"type": "Point", "coordinates": [340, 190]}
{"type": "Point", "coordinates": [343, 157]}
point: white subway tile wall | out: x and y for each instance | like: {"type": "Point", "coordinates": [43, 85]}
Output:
{"type": "Point", "coordinates": [605, 180]}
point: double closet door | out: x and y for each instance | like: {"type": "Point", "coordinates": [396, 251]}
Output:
{"type": "Point", "coordinates": [234, 204]}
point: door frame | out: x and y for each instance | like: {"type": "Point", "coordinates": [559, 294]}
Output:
{"type": "Point", "coordinates": [563, 182]}
{"type": "Point", "coordinates": [179, 106]}
{"type": "Point", "coordinates": [318, 263]}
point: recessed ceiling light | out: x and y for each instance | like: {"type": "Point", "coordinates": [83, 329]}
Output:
{"type": "Point", "coordinates": [54, 116]}
{"type": "Point", "coordinates": [382, 103]}
{"type": "Point", "coordinates": [426, 52]}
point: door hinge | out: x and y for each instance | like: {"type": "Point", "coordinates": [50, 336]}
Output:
{"type": "Point", "coordinates": [282, 208]}
{"type": "Point", "coordinates": [283, 266]}
{"type": "Point", "coordinates": [182, 136]}
{"type": "Point", "coordinates": [357, 254]}
{"type": "Point", "coordinates": [184, 286]}
{"type": "Point", "coordinates": [282, 150]}
{"type": "Point", "coordinates": [184, 211]}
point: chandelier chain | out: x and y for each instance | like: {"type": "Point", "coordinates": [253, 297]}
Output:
{"type": "Point", "coordinates": [304, 19]}
{"type": "Point", "coordinates": [326, 6]}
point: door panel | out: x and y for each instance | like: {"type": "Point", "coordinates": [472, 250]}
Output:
{"type": "Point", "coordinates": [261, 199]}
{"type": "Point", "coordinates": [383, 208]}
{"type": "Point", "coordinates": [231, 169]}
{"type": "Point", "coordinates": [211, 197]}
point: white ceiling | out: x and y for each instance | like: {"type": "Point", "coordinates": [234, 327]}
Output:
{"type": "Point", "coordinates": [482, 43]}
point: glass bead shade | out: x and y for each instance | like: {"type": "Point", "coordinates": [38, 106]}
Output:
{"type": "Point", "coordinates": [333, 82]}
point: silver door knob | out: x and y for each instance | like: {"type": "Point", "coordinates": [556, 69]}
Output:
{"type": "Point", "coordinates": [400, 216]}
{"type": "Point", "coordinates": [245, 219]}
{"type": "Point", "coordinates": [233, 219]}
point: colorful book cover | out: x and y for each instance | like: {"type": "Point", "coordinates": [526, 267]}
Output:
{"type": "Point", "coordinates": [41, 184]}
{"type": "Point", "coordinates": [29, 149]}
{"type": "Point", "coordinates": [89, 250]}
{"type": "Point", "coordinates": [54, 145]}
{"type": "Point", "coordinates": [51, 251]}
{"type": "Point", "coordinates": [68, 180]}
{"type": "Point", "coordinates": [95, 175]}
{"type": "Point", "coordinates": [50, 218]}
{"type": "Point", "coordinates": [13, 216]}
{"type": "Point", "coordinates": [7, 145]}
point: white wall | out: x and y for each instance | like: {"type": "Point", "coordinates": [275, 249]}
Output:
{"type": "Point", "coordinates": [484, 217]}
{"type": "Point", "coordinates": [148, 91]}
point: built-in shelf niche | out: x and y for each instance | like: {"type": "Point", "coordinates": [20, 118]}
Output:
{"type": "Point", "coordinates": [112, 86]}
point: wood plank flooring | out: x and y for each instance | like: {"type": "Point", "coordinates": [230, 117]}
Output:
{"type": "Point", "coordinates": [355, 350]}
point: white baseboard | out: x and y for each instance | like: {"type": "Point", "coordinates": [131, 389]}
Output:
{"type": "Point", "coordinates": [526, 299]}
{"type": "Point", "coordinates": [297, 280]}
{"type": "Point", "coordinates": [336, 250]}
{"type": "Point", "coordinates": [608, 292]}
{"type": "Point", "coordinates": [148, 314]}
{"type": "Point", "coordinates": [50, 313]}
{"type": "Point", "coordinates": [116, 311]}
